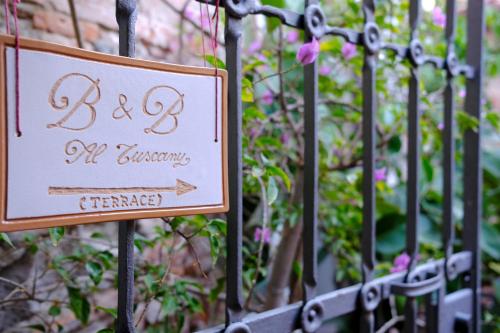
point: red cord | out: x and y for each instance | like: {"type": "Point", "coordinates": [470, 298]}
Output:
{"type": "Point", "coordinates": [214, 45]}
{"type": "Point", "coordinates": [18, 120]}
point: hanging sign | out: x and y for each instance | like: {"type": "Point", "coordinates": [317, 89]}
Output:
{"type": "Point", "coordinates": [107, 138]}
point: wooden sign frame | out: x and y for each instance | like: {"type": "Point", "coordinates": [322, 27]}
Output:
{"type": "Point", "coordinates": [106, 216]}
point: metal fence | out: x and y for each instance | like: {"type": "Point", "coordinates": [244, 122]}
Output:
{"type": "Point", "coordinates": [458, 311]}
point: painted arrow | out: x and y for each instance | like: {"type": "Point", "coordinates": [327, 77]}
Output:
{"type": "Point", "coordinates": [181, 187]}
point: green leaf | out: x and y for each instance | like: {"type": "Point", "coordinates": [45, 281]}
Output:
{"type": "Point", "coordinates": [38, 327]}
{"type": "Point", "coordinates": [254, 113]}
{"type": "Point", "coordinates": [467, 122]}
{"type": "Point", "coordinates": [106, 258]}
{"type": "Point", "coordinates": [276, 171]}
{"type": "Point", "coordinates": [149, 281]}
{"type": "Point", "coordinates": [272, 191]}
{"type": "Point", "coordinates": [213, 61]}
{"type": "Point", "coordinates": [215, 292]}
{"type": "Point", "coordinates": [214, 247]}
{"type": "Point", "coordinates": [169, 305]}
{"type": "Point", "coordinates": [56, 234]}
{"type": "Point", "coordinates": [494, 119]}
{"type": "Point", "coordinates": [391, 234]}
{"type": "Point", "coordinates": [54, 310]}
{"type": "Point", "coordinates": [106, 330]}
{"type": "Point", "coordinates": [219, 225]}
{"type": "Point", "coordinates": [95, 271]}
{"type": "Point", "coordinates": [247, 90]}
{"type": "Point", "coordinates": [495, 267]}
{"type": "Point", "coordinates": [97, 234]}
{"type": "Point", "coordinates": [79, 304]}
{"type": "Point", "coordinates": [275, 3]}
{"type": "Point", "coordinates": [395, 144]}
{"type": "Point", "coordinates": [4, 237]}
{"type": "Point", "coordinates": [490, 240]}
{"type": "Point", "coordinates": [297, 269]}
{"type": "Point", "coordinates": [111, 311]}
{"type": "Point", "coordinates": [428, 169]}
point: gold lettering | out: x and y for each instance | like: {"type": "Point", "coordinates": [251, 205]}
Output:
{"type": "Point", "coordinates": [130, 154]}
{"type": "Point", "coordinates": [121, 201]}
{"type": "Point", "coordinates": [163, 112]}
{"type": "Point", "coordinates": [82, 202]}
{"type": "Point", "coordinates": [115, 202]}
{"type": "Point", "coordinates": [123, 158]}
{"type": "Point", "coordinates": [124, 200]}
{"type": "Point", "coordinates": [64, 102]}
{"type": "Point", "coordinates": [77, 149]}
{"type": "Point", "coordinates": [122, 99]}
{"type": "Point", "coordinates": [105, 203]}
{"type": "Point", "coordinates": [133, 201]}
{"type": "Point", "coordinates": [94, 201]}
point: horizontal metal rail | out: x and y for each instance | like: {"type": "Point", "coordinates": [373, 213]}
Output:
{"type": "Point", "coordinates": [346, 300]}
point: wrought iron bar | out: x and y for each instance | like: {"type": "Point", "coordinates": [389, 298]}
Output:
{"type": "Point", "coordinates": [76, 26]}
{"type": "Point", "coordinates": [310, 216]}
{"type": "Point", "coordinates": [472, 155]}
{"type": "Point", "coordinates": [234, 308]}
{"type": "Point", "coordinates": [371, 39]}
{"type": "Point", "coordinates": [346, 300]}
{"type": "Point", "coordinates": [126, 15]}
{"type": "Point", "coordinates": [413, 202]}
{"type": "Point", "coordinates": [448, 135]}
{"type": "Point", "coordinates": [312, 313]}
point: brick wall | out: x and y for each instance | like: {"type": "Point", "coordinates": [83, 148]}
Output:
{"type": "Point", "coordinates": [157, 27]}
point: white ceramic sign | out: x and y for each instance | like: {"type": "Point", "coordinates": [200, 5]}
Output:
{"type": "Point", "coordinates": [107, 141]}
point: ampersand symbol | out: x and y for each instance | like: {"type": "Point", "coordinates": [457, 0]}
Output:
{"type": "Point", "coordinates": [122, 99]}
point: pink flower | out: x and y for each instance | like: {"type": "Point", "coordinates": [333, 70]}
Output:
{"type": "Point", "coordinates": [325, 70]}
{"type": "Point", "coordinates": [292, 36]}
{"type": "Point", "coordinates": [349, 51]}
{"type": "Point", "coordinates": [440, 126]}
{"type": "Point", "coordinates": [255, 46]}
{"type": "Point", "coordinates": [267, 98]}
{"type": "Point", "coordinates": [253, 132]}
{"type": "Point", "coordinates": [401, 263]}
{"type": "Point", "coordinates": [261, 57]}
{"type": "Point", "coordinates": [462, 93]}
{"type": "Point", "coordinates": [205, 21]}
{"type": "Point", "coordinates": [262, 235]}
{"type": "Point", "coordinates": [284, 138]}
{"type": "Point", "coordinates": [308, 52]}
{"type": "Point", "coordinates": [438, 17]}
{"type": "Point", "coordinates": [380, 174]}
{"type": "Point", "coordinates": [189, 14]}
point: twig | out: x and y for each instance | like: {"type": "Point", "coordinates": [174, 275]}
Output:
{"type": "Point", "coordinates": [265, 220]}
{"type": "Point", "coordinates": [162, 281]}
{"type": "Point", "coordinates": [181, 31]}
{"type": "Point", "coordinates": [276, 74]}
{"type": "Point", "coordinates": [187, 19]}
{"type": "Point", "coordinates": [193, 252]}
{"type": "Point", "coordinates": [282, 99]}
